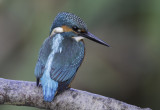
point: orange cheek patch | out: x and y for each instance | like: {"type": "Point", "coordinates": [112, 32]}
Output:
{"type": "Point", "coordinates": [67, 29]}
{"type": "Point", "coordinates": [83, 31]}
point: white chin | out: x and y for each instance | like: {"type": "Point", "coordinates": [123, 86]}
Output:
{"type": "Point", "coordinates": [78, 38]}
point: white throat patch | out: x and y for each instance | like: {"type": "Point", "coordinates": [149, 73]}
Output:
{"type": "Point", "coordinates": [78, 38]}
{"type": "Point", "coordinates": [57, 30]}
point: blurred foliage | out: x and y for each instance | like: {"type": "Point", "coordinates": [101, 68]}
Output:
{"type": "Point", "coordinates": [128, 71]}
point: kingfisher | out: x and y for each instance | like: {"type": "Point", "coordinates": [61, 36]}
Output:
{"type": "Point", "coordinates": [61, 54]}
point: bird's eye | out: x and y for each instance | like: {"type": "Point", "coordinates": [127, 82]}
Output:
{"type": "Point", "coordinates": [75, 28]}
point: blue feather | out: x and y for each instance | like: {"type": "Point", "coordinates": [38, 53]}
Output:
{"type": "Point", "coordinates": [49, 88]}
{"type": "Point", "coordinates": [49, 85]}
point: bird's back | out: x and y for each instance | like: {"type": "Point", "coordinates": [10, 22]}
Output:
{"type": "Point", "coordinates": [66, 55]}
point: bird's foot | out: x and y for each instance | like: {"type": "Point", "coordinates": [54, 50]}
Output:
{"type": "Point", "coordinates": [39, 85]}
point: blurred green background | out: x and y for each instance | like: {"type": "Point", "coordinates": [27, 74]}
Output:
{"type": "Point", "coordinates": [129, 71]}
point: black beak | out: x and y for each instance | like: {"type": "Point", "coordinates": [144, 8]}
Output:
{"type": "Point", "coordinates": [94, 38]}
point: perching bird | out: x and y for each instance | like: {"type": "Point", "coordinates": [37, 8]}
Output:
{"type": "Point", "coordinates": [62, 53]}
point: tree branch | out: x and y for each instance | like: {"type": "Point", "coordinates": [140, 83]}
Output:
{"type": "Point", "coordinates": [25, 93]}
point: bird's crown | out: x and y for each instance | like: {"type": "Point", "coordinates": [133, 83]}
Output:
{"type": "Point", "coordinates": [69, 21]}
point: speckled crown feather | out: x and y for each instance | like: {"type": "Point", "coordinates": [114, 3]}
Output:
{"type": "Point", "coordinates": [69, 19]}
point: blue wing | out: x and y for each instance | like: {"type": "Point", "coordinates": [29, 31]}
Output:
{"type": "Point", "coordinates": [66, 63]}
{"type": "Point", "coordinates": [42, 59]}
{"type": "Point", "coordinates": [65, 72]}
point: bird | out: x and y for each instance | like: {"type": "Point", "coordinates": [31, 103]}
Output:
{"type": "Point", "coordinates": [61, 54]}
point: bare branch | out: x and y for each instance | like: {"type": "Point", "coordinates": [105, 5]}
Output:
{"type": "Point", "coordinates": [25, 93]}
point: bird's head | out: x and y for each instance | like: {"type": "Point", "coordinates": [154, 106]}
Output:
{"type": "Point", "coordinates": [70, 25]}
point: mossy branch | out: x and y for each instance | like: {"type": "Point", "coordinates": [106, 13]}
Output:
{"type": "Point", "coordinates": [25, 93]}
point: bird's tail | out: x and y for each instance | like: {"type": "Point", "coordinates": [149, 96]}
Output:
{"type": "Point", "coordinates": [49, 88]}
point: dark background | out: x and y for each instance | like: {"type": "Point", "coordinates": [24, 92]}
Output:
{"type": "Point", "coordinates": [128, 71]}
